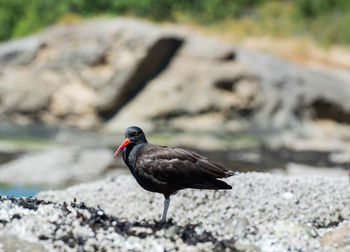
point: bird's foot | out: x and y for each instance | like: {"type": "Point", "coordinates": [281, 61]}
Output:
{"type": "Point", "coordinates": [164, 224]}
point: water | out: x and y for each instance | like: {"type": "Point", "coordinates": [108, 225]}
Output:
{"type": "Point", "coordinates": [23, 191]}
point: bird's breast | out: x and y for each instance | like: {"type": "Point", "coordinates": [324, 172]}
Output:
{"type": "Point", "coordinates": [130, 154]}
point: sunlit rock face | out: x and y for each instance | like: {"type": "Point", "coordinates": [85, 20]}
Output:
{"type": "Point", "coordinates": [109, 74]}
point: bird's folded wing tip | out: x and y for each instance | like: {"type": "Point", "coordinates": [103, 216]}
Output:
{"type": "Point", "coordinates": [232, 173]}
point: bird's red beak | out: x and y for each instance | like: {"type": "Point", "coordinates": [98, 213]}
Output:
{"type": "Point", "coordinates": [122, 146]}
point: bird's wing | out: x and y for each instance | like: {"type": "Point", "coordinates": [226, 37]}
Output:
{"type": "Point", "coordinates": [167, 164]}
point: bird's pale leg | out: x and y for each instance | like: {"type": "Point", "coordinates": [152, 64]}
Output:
{"type": "Point", "coordinates": [166, 206]}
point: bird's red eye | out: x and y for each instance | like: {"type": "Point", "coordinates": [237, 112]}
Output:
{"type": "Point", "coordinates": [136, 133]}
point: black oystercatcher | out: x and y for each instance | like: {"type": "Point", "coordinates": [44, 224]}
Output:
{"type": "Point", "coordinates": [166, 170]}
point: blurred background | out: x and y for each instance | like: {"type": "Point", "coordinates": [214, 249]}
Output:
{"type": "Point", "coordinates": [256, 85]}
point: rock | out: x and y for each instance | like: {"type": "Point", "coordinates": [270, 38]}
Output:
{"type": "Point", "coordinates": [153, 56]}
{"type": "Point", "coordinates": [25, 97]}
{"type": "Point", "coordinates": [207, 48]}
{"type": "Point", "coordinates": [81, 109]}
{"type": "Point", "coordinates": [340, 157]}
{"type": "Point", "coordinates": [240, 246]}
{"type": "Point", "coordinates": [19, 52]}
{"type": "Point", "coordinates": [90, 71]}
{"type": "Point", "coordinates": [6, 156]}
{"type": "Point", "coordinates": [171, 232]}
{"type": "Point", "coordinates": [89, 54]}
{"type": "Point", "coordinates": [57, 166]}
{"type": "Point", "coordinates": [240, 227]}
{"type": "Point", "coordinates": [293, 94]}
{"type": "Point", "coordinates": [198, 96]}
{"type": "Point", "coordinates": [13, 243]}
{"type": "Point", "coordinates": [239, 93]}
{"type": "Point", "coordinates": [339, 238]}
{"type": "Point", "coordinates": [300, 169]}
{"type": "Point", "coordinates": [276, 222]}
{"type": "Point", "coordinates": [46, 226]}
{"type": "Point", "coordinates": [102, 73]}
{"type": "Point", "coordinates": [202, 91]}
{"type": "Point", "coordinates": [237, 227]}
{"type": "Point", "coordinates": [294, 229]}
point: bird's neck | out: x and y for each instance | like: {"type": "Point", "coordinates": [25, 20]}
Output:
{"type": "Point", "coordinates": [130, 154]}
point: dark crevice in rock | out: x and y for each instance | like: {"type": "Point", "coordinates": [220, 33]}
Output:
{"type": "Point", "coordinates": [99, 61]}
{"type": "Point", "coordinates": [179, 113]}
{"type": "Point", "coordinates": [43, 237]}
{"type": "Point", "coordinates": [322, 109]}
{"type": "Point", "coordinates": [235, 112]}
{"type": "Point", "coordinates": [277, 106]}
{"type": "Point", "coordinates": [318, 223]}
{"type": "Point", "coordinates": [229, 114]}
{"type": "Point", "coordinates": [6, 157]}
{"type": "Point", "coordinates": [16, 216]}
{"type": "Point", "coordinates": [229, 84]}
{"type": "Point", "coordinates": [28, 203]}
{"type": "Point", "coordinates": [231, 56]}
{"type": "Point", "coordinates": [171, 115]}
{"type": "Point", "coordinates": [157, 59]}
{"type": "Point", "coordinates": [32, 113]}
{"type": "Point", "coordinates": [245, 112]}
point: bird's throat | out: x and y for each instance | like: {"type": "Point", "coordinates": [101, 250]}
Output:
{"type": "Point", "coordinates": [130, 154]}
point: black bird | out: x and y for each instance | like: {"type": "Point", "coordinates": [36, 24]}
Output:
{"type": "Point", "coordinates": [166, 170]}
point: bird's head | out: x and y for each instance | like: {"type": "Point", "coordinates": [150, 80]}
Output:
{"type": "Point", "coordinates": [133, 135]}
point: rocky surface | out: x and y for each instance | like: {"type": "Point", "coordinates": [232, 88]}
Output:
{"type": "Point", "coordinates": [202, 92]}
{"type": "Point", "coordinates": [57, 167]}
{"type": "Point", "coordinates": [112, 73]}
{"type": "Point", "coordinates": [293, 94]}
{"type": "Point", "coordinates": [263, 212]}
{"type": "Point", "coordinates": [28, 224]}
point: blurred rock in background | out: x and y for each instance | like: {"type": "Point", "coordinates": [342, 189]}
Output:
{"type": "Point", "coordinates": [107, 74]}
{"type": "Point", "coordinates": [83, 84]}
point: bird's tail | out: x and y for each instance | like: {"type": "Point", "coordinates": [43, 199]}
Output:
{"type": "Point", "coordinates": [213, 184]}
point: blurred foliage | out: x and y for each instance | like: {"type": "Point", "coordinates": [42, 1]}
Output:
{"type": "Point", "coordinates": [25, 143]}
{"type": "Point", "coordinates": [327, 21]}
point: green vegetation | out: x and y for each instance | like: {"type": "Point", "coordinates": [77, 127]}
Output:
{"type": "Point", "coordinates": [28, 143]}
{"type": "Point", "coordinates": [240, 140]}
{"type": "Point", "coordinates": [326, 21]}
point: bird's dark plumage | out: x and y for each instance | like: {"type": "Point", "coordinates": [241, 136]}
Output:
{"type": "Point", "coordinates": [166, 170]}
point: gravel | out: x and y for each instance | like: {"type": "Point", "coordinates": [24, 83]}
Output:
{"type": "Point", "coordinates": [263, 212]}
{"type": "Point", "coordinates": [76, 227]}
